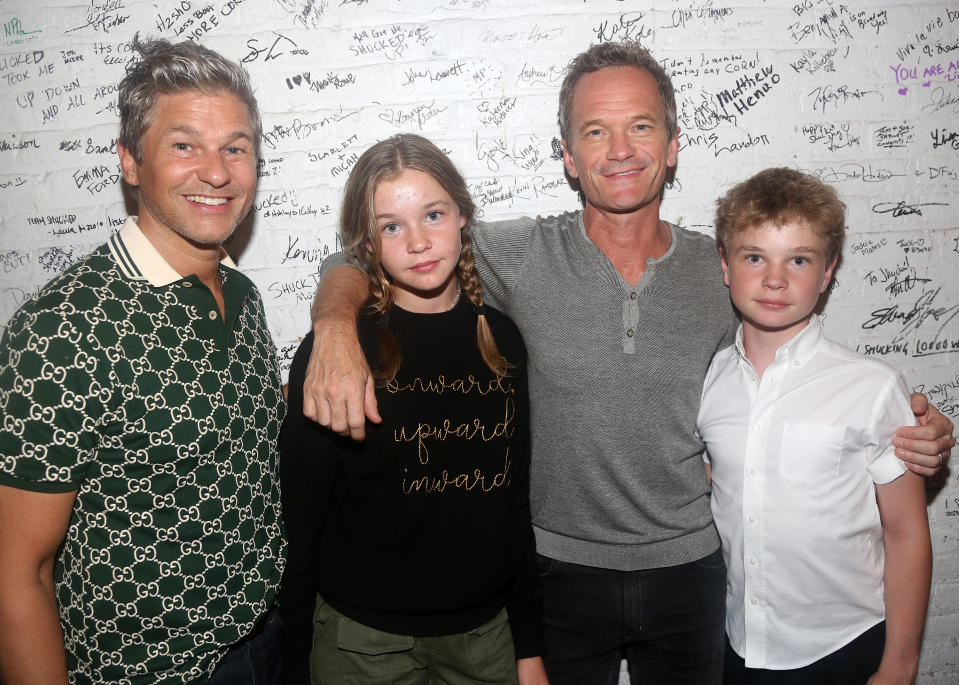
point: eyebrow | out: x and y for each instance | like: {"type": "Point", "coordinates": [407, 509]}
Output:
{"type": "Point", "coordinates": [428, 205]}
{"type": "Point", "coordinates": [191, 131]}
{"type": "Point", "coordinates": [800, 248]}
{"type": "Point", "coordinates": [635, 118]}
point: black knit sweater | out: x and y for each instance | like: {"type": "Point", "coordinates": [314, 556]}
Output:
{"type": "Point", "coordinates": [423, 528]}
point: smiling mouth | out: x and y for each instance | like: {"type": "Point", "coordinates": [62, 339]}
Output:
{"type": "Point", "coordinates": [621, 174]}
{"type": "Point", "coordinates": [204, 200]}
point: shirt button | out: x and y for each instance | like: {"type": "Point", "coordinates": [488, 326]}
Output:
{"type": "Point", "coordinates": [753, 601]}
{"type": "Point", "coordinates": [752, 520]}
{"type": "Point", "coordinates": [212, 315]}
{"type": "Point", "coordinates": [756, 426]}
{"type": "Point", "coordinates": [187, 284]}
{"type": "Point", "coordinates": [795, 362]}
{"type": "Point", "coordinates": [632, 296]}
{"type": "Point", "coordinates": [752, 561]}
{"type": "Point", "coordinates": [629, 333]}
{"type": "Point", "coordinates": [753, 472]}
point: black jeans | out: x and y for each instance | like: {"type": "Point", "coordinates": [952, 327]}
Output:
{"type": "Point", "coordinates": [668, 623]}
{"type": "Point", "coordinates": [254, 660]}
{"type": "Point", "coordinates": [853, 664]}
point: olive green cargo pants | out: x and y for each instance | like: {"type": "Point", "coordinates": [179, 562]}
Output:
{"type": "Point", "coordinates": [349, 653]}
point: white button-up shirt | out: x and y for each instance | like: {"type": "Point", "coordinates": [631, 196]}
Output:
{"type": "Point", "coordinates": [794, 458]}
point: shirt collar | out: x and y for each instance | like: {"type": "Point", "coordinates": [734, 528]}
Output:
{"type": "Point", "coordinates": [139, 260]}
{"type": "Point", "coordinates": [797, 351]}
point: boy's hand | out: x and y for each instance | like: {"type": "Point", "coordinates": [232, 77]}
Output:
{"type": "Point", "coordinates": [925, 448]}
{"type": "Point", "coordinates": [882, 677]}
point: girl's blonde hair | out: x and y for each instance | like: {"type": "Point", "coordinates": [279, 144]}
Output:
{"type": "Point", "coordinates": [361, 237]}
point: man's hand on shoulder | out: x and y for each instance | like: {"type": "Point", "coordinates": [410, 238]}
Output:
{"type": "Point", "coordinates": [339, 389]}
{"type": "Point", "coordinates": [925, 448]}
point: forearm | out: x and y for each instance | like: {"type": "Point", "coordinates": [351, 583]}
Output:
{"type": "Point", "coordinates": [296, 610]}
{"type": "Point", "coordinates": [341, 294]}
{"type": "Point", "coordinates": [524, 599]}
{"type": "Point", "coordinates": [907, 574]}
{"type": "Point", "coordinates": [31, 642]}
{"type": "Point", "coordinates": [32, 527]}
{"type": "Point", "coordinates": [906, 598]}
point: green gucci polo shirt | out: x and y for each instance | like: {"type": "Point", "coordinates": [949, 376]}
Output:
{"type": "Point", "coordinates": [121, 380]}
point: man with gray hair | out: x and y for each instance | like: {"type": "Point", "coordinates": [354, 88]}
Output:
{"type": "Point", "coordinates": [141, 402]}
{"type": "Point", "coordinates": [621, 313]}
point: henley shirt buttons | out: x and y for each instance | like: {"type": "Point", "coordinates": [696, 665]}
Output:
{"type": "Point", "coordinates": [212, 315]}
{"type": "Point", "coordinates": [752, 561]}
{"type": "Point", "coordinates": [752, 520]}
{"type": "Point", "coordinates": [753, 601]}
{"type": "Point", "coordinates": [187, 284]}
{"type": "Point", "coordinates": [753, 472]}
{"type": "Point", "coordinates": [632, 296]}
{"type": "Point", "coordinates": [629, 333]}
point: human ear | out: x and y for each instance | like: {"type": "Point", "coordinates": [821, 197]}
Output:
{"type": "Point", "coordinates": [568, 160]}
{"type": "Point", "coordinates": [128, 165]}
{"type": "Point", "coordinates": [673, 155]}
{"type": "Point", "coordinates": [827, 277]}
{"type": "Point", "coordinates": [722, 259]}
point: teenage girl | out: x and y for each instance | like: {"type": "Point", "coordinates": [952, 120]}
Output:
{"type": "Point", "coordinates": [411, 555]}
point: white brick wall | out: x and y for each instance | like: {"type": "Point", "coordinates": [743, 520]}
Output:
{"type": "Point", "coordinates": [865, 98]}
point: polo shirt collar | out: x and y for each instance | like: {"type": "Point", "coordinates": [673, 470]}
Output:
{"type": "Point", "coordinates": [139, 260]}
{"type": "Point", "coordinates": [797, 351]}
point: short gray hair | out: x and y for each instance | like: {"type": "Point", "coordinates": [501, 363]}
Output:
{"type": "Point", "coordinates": [166, 68]}
{"type": "Point", "coordinates": [605, 55]}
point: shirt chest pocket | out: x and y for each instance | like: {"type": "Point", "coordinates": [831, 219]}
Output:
{"type": "Point", "coordinates": [810, 453]}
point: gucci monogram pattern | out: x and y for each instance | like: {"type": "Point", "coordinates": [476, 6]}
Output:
{"type": "Point", "coordinates": [165, 419]}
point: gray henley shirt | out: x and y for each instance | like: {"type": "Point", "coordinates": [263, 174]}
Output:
{"type": "Point", "coordinates": [615, 377]}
